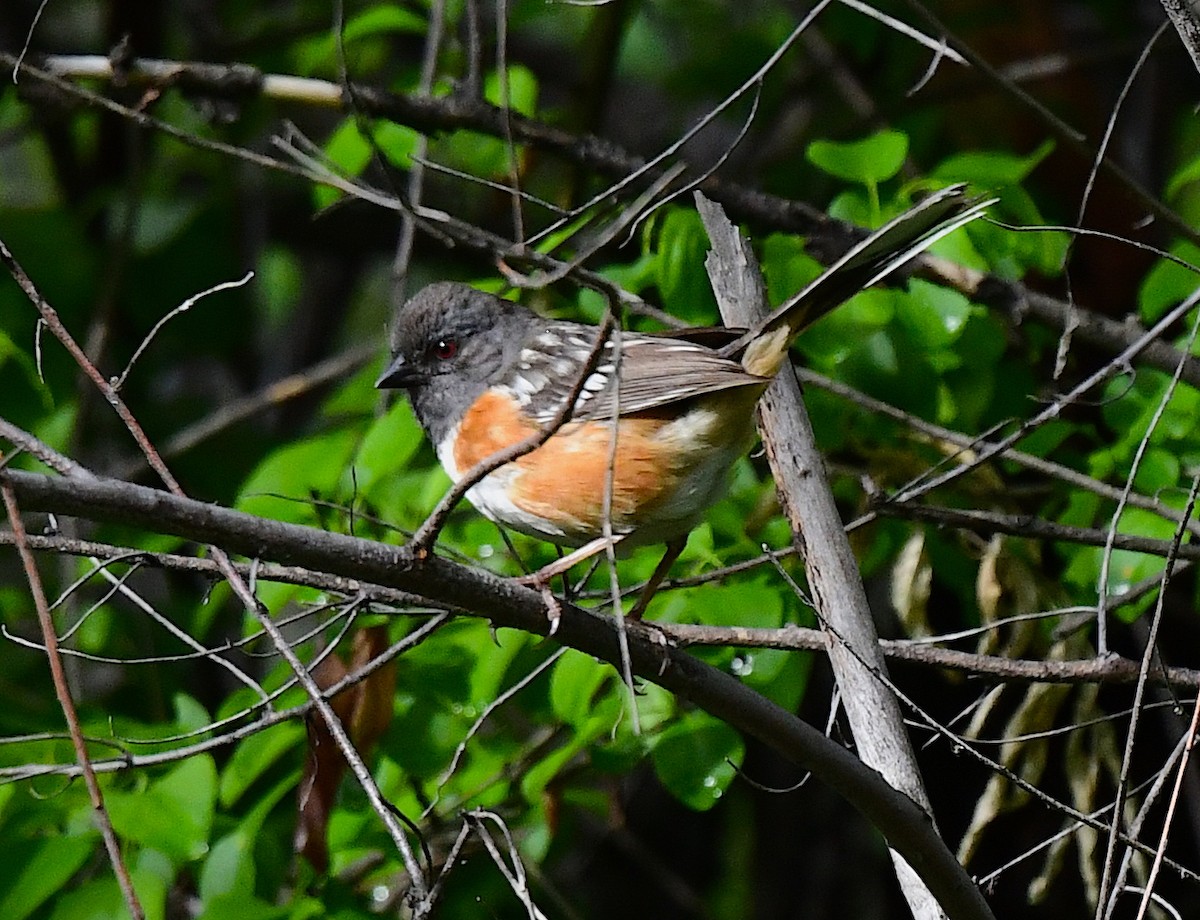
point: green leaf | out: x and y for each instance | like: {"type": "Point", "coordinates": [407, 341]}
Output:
{"type": "Point", "coordinates": [349, 152]}
{"type": "Point", "coordinates": [1186, 174]}
{"type": "Point", "coordinates": [193, 787]}
{"type": "Point", "coordinates": [190, 715]}
{"type": "Point", "coordinates": [1159, 469]}
{"type": "Point", "coordinates": [398, 142]}
{"type": "Point", "coordinates": [388, 446]}
{"type": "Point", "coordinates": [98, 899]}
{"type": "Point", "coordinates": [242, 906]}
{"type": "Point", "coordinates": [573, 685]}
{"type": "Point", "coordinates": [696, 759]}
{"type": "Point", "coordinates": [746, 604]}
{"type": "Point", "coordinates": [522, 90]}
{"type": "Point", "coordinates": [47, 866]}
{"type": "Point", "coordinates": [10, 352]}
{"type": "Point", "coordinates": [856, 206]}
{"type": "Point", "coordinates": [990, 169]}
{"type": "Point", "coordinates": [489, 675]}
{"type": "Point", "coordinates": [778, 674]}
{"type": "Point", "coordinates": [255, 756]}
{"type": "Point", "coordinates": [787, 267]}
{"type": "Point", "coordinates": [297, 471]}
{"type": "Point", "coordinates": [535, 779]}
{"type": "Point", "coordinates": [936, 315]}
{"type": "Point", "coordinates": [162, 221]}
{"type": "Point", "coordinates": [679, 270]}
{"type": "Point", "coordinates": [230, 867]}
{"type": "Point", "coordinates": [1168, 282]}
{"type": "Point", "coordinates": [383, 19]}
{"type": "Point", "coordinates": [1126, 568]}
{"type": "Point", "coordinates": [156, 818]}
{"type": "Point", "coordinates": [836, 336]}
{"type": "Point", "coordinates": [870, 161]}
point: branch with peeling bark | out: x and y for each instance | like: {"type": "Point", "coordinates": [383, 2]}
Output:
{"type": "Point", "coordinates": [840, 598]}
{"type": "Point", "coordinates": [906, 826]}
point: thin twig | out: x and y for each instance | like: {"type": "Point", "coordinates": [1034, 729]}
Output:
{"type": "Point", "coordinates": [1139, 695]}
{"type": "Point", "coordinates": [996, 448]}
{"type": "Point", "coordinates": [68, 705]}
{"type": "Point", "coordinates": [271, 396]}
{"type": "Point", "coordinates": [60, 463]}
{"type": "Point", "coordinates": [228, 571]}
{"type": "Point", "coordinates": [119, 382]}
{"type": "Point", "coordinates": [1032, 527]}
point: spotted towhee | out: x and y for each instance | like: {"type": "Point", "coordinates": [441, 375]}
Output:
{"type": "Point", "coordinates": [485, 373]}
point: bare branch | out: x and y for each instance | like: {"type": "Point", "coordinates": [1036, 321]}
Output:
{"type": "Point", "coordinates": [840, 598]}
{"type": "Point", "coordinates": [68, 705]}
{"type": "Point", "coordinates": [904, 824]}
{"type": "Point", "coordinates": [1186, 19]}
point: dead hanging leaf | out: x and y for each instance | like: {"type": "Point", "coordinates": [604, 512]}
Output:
{"type": "Point", "coordinates": [1006, 586]}
{"type": "Point", "coordinates": [1089, 759]}
{"type": "Point", "coordinates": [365, 710]}
{"type": "Point", "coordinates": [1092, 764]}
{"type": "Point", "coordinates": [988, 589]}
{"type": "Point", "coordinates": [1025, 756]}
{"type": "Point", "coordinates": [911, 582]}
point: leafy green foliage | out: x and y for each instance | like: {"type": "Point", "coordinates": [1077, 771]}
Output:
{"type": "Point", "coordinates": [870, 161]}
{"type": "Point", "coordinates": [118, 226]}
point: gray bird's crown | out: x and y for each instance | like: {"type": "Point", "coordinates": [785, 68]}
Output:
{"type": "Point", "coordinates": [450, 343]}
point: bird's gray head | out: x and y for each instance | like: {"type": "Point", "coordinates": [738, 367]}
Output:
{"type": "Point", "coordinates": [450, 343]}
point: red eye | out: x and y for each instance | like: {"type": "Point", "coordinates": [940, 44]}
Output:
{"type": "Point", "coordinates": [445, 349]}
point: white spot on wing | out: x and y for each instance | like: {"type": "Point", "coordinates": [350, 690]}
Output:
{"type": "Point", "coordinates": [527, 385]}
{"type": "Point", "coordinates": [594, 383]}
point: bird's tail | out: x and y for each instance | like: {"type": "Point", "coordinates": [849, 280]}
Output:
{"type": "Point", "coordinates": [764, 346]}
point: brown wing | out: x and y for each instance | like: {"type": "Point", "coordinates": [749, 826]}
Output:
{"type": "Point", "coordinates": [655, 370]}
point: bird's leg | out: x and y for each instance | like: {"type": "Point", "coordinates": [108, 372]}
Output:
{"type": "Point", "coordinates": [540, 580]}
{"type": "Point", "coordinates": [565, 563]}
{"type": "Point", "coordinates": [674, 548]}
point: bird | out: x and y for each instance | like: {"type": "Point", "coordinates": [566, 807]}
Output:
{"type": "Point", "coordinates": [656, 420]}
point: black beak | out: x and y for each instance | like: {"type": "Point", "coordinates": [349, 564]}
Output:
{"type": "Point", "coordinates": [399, 375]}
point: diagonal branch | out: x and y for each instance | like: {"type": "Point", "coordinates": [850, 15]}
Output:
{"type": "Point", "coordinates": [839, 595]}
{"type": "Point", "coordinates": [906, 826]}
{"type": "Point", "coordinates": [68, 705]}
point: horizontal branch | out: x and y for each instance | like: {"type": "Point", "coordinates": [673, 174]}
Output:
{"type": "Point", "coordinates": [981, 444]}
{"type": "Point", "coordinates": [1113, 669]}
{"type": "Point", "coordinates": [429, 114]}
{"type": "Point", "coordinates": [1031, 527]}
{"type": "Point", "coordinates": [508, 604]}
{"type": "Point", "coordinates": [261, 571]}
{"type": "Point", "coordinates": [460, 111]}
